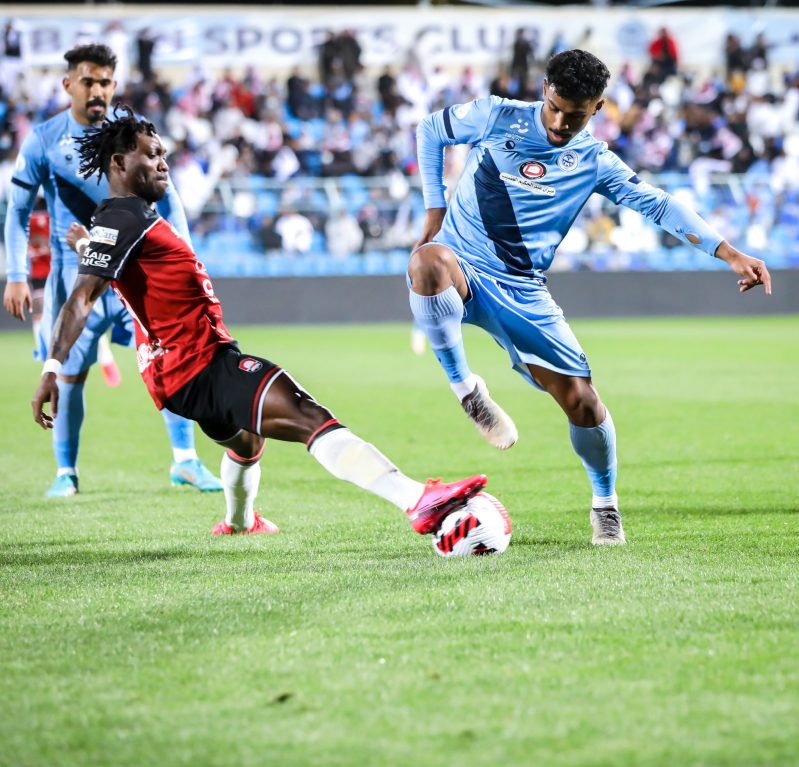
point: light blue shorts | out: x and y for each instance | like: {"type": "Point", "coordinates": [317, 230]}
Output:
{"type": "Point", "coordinates": [107, 313]}
{"type": "Point", "coordinates": [526, 322]}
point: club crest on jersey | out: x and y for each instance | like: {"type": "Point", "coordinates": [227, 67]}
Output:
{"type": "Point", "coordinates": [249, 365]}
{"type": "Point", "coordinates": [461, 110]}
{"type": "Point", "coordinates": [532, 169]}
{"type": "Point", "coordinates": [568, 161]}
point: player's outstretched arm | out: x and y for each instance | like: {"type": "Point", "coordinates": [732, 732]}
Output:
{"type": "Point", "coordinates": [752, 271]}
{"type": "Point", "coordinates": [68, 326]}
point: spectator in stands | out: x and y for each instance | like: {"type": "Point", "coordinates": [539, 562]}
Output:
{"type": "Point", "coordinates": [522, 56]}
{"type": "Point", "coordinates": [10, 57]}
{"type": "Point", "coordinates": [145, 47]}
{"type": "Point", "coordinates": [663, 54]}
{"type": "Point", "coordinates": [296, 232]}
{"type": "Point", "coordinates": [349, 52]}
{"type": "Point", "coordinates": [328, 58]}
{"type": "Point", "coordinates": [735, 57]}
{"type": "Point", "coordinates": [301, 104]}
{"type": "Point", "coordinates": [343, 234]}
{"type": "Point", "coordinates": [267, 236]}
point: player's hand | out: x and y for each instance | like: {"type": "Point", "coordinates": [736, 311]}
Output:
{"type": "Point", "coordinates": [76, 232]}
{"type": "Point", "coordinates": [752, 271]}
{"type": "Point", "coordinates": [47, 392]}
{"type": "Point", "coordinates": [432, 225]}
{"type": "Point", "coordinates": [16, 297]}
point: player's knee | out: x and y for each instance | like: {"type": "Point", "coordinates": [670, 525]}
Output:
{"type": "Point", "coordinates": [429, 270]}
{"type": "Point", "coordinates": [245, 445]}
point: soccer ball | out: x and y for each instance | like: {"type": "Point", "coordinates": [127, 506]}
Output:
{"type": "Point", "coordinates": [482, 526]}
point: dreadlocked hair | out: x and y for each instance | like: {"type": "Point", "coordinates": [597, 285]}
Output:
{"type": "Point", "coordinates": [577, 75]}
{"type": "Point", "coordinates": [99, 144]}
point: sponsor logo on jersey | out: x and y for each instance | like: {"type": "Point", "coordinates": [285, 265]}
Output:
{"type": "Point", "coordinates": [93, 258]}
{"type": "Point", "coordinates": [568, 161]}
{"type": "Point", "coordinates": [532, 169]}
{"type": "Point", "coordinates": [523, 126]}
{"type": "Point", "coordinates": [20, 163]}
{"type": "Point", "coordinates": [525, 183]}
{"type": "Point", "coordinates": [462, 110]}
{"type": "Point", "coordinates": [249, 365]}
{"type": "Point", "coordinates": [104, 235]}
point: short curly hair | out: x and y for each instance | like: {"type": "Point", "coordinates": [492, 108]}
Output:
{"type": "Point", "coordinates": [577, 75]}
{"type": "Point", "coordinates": [94, 53]}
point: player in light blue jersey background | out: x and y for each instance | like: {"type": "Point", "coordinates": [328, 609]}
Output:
{"type": "Point", "coordinates": [49, 159]}
{"type": "Point", "coordinates": [483, 260]}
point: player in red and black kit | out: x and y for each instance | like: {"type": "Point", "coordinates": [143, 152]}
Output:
{"type": "Point", "coordinates": [39, 255]}
{"type": "Point", "coordinates": [187, 358]}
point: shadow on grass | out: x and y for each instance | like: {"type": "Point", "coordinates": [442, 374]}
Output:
{"type": "Point", "coordinates": [10, 556]}
{"type": "Point", "coordinates": [731, 511]}
{"type": "Point", "coordinates": [554, 544]}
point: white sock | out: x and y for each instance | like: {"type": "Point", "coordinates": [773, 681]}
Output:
{"type": "Point", "coordinates": [181, 454]}
{"type": "Point", "coordinates": [241, 486]}
{"type": "Point", "coordinates": [465, 387]}
{"type": "Point", "coordinates": [346, 456]}
{"type": "Point", "coordinates": [104, 353]}
{"type": "Point", "coordinates": [66, 470]}
{"type": "Point", "coordinates": [605, 501]}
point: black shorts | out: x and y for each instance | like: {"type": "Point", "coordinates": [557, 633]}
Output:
{"type": "Point", "coordinates": [228, 395]}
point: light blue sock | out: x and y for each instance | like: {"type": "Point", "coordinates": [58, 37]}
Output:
{"type": "Point", "coordinates": [596, 446]}
{"type": "Point", "coordinates": [181, 436]}
{"type": "Point", "coordinates": [66, 427]}
{"type": "Point", "coordinates": [440, 317]}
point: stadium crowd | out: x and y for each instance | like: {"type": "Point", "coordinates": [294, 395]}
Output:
{"type": "Point", "coordinates": [238, 137]}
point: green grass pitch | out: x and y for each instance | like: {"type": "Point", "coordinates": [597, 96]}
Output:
{"type": "Point", "coordinates": [130, 637]}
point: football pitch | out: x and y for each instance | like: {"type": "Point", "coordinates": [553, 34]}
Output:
{"type": "Point", "coordinates": [129, 636]}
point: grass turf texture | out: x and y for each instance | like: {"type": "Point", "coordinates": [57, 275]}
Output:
{"type": "Point", "coordinates": [129, 636]}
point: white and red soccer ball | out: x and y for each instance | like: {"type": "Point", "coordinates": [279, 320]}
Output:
{"type": "Point", "coordinates": [481, 526]}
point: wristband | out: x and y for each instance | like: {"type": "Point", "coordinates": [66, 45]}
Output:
{"type": "Point", "coordinates": [81, 241]}
{"type": "Point", "coordinates": [51, 366]}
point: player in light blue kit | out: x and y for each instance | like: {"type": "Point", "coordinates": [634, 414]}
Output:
{"type": "Point", "coordinates": [49, 159]}
{"type": "Point", "coordinates": [483, 260]}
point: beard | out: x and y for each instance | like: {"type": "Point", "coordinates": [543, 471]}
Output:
{"type": "Point", "coordinates": [91, 113]}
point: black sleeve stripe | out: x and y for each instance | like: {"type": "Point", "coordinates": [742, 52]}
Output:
{"type": "Point", "coordinates": [448, 123]}
{"type": "Point", "coordinates": [21, 183]}
{"type": "Point", "coordinates": [130, 249]}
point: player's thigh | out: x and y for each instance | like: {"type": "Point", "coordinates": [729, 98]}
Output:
{"type": "Point", "coordinates": [239, 391]}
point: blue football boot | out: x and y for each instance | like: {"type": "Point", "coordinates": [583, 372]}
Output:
{"type": "Point", "coordinates": [63, 487]}
{"type": "Point", "coordinates": [192, 472]}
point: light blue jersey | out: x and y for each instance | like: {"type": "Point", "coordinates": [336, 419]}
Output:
{"type": "Point", "coordinates": [518, 194]}
{"type": "Point", "coordinates": [49, 159]}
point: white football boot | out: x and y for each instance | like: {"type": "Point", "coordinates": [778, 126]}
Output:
{"type": "Point", "coordinates": [493, 423]}
{"type": "Point", "coordinates": [606, 525]}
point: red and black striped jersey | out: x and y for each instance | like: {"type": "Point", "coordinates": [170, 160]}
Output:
{"type": "Point", "coordinates": [178, 318]}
